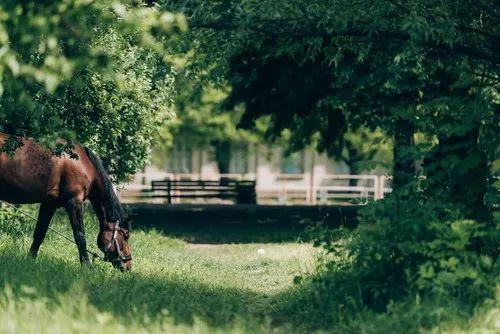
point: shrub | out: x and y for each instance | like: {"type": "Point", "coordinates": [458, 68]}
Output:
{"type": "Point", "coordinates": [408, 245]}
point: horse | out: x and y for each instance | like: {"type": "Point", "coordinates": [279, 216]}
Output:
{"type": "Point", "coordinates": [34, 174]}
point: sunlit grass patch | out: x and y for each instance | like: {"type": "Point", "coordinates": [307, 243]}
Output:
{"type": "Point", "coordinates": [174, 286]}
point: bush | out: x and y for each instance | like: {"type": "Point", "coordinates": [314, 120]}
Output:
{"type": "Point", "coordinates": [407, 246]}
{"type": "Point", "coordinates": [412, 264]}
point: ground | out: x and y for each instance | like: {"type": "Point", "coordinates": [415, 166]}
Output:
{"type": "Point", "coordinates": [184, 279]}
{"type": "Point", "coordinates": [175, 285]}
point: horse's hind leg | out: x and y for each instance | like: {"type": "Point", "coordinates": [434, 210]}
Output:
{"type": "Point", "coordinates": [44, 217]}
{"type": "Point", "coordinates": [74, 207]}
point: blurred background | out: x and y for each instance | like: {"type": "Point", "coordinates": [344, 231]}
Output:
{"type": "Point", "coordinates": [205, 142]}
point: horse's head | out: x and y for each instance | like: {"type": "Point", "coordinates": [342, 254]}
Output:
{"type": "Point", "coordinates": [113, 241]}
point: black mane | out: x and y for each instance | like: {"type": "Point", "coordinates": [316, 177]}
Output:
{"type": "Point", "coordinates": [112, 206]}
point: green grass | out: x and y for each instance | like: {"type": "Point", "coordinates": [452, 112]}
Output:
{"type": "Point", "coordinates": [174, 285]}
{"type": "Point", "coordinates": [178, 286]}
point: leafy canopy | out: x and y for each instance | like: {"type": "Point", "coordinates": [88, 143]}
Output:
{"type": "Point", "coordinates": [92, 71]}
{"type": "Point", "coordinates": [326, 66]}
{"type": "Point", "coordinates": [427, 68]}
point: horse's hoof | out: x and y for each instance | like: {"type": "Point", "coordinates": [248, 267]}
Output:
{"type": "Point", "coordinates": [86, 264]}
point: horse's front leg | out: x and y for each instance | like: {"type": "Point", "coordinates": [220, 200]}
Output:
{"type": "Point", "coordinates": [45, 215]}
{"type": "Point", "coordinates": [74, 207]}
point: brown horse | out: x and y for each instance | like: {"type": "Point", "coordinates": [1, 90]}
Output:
{"type": "Point", "coordinates": [35, 175]}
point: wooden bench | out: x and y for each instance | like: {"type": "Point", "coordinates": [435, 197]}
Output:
{"type": "Point", "coordinates": [242, 192]}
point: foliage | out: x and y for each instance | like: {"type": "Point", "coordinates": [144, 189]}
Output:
{"type": "Point", "coordinates": [425, 70]}
{"type": "Point", "coordinates": [202, 122]}
{"type": "Point", "coordinates": [365, 150]}
{"type": "Point", "coordinates": [322, 67]}
{"type": "Point", "coordinates": [400, 250]}
{"type": "Point", "coordinates": [218, 287]}
{"type": "Point", "coordinates": [120, 118]}
{"type": "Point", "coordinates": [200, 118]}
{"type": "Point", "coordinates": [211, 116]}
{"type": "Point", "coordinates": [88, 71]}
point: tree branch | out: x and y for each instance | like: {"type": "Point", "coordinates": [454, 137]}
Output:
{"type": "Point", "coordinates": [272, 31]}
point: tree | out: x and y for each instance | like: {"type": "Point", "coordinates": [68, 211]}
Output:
{"type": "Point", "coordinates": [87, 71]}
{"type": "Point", "coordinates": [365, 150]}
{"type": "Point", "coordinates": [202, 118]}
{"type": "Point", "coordinates": [388, 64]}
{"type": "Point", "coordinates": [426, 68]}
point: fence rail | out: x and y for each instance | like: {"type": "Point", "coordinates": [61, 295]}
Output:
{"type": "Point", "coordinates": [284, 188]}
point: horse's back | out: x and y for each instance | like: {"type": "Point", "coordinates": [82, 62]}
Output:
{"type": "Point", "coordinates": [35, 175]}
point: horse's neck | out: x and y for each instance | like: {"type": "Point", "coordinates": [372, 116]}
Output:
{"type": "Point", "coordinates": [97, 198]}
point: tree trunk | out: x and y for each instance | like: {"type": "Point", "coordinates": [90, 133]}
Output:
{"type": "Point", "coordinates": [351, 160]}
{"type": "Point", "coordinates": [222, 155]}
{"type": "Point", "coordinates": [404, 157]}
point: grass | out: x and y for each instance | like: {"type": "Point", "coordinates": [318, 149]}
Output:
{"type": "Point", "coordinates": [174, 285]}
{"type": "Point", "coordinates": [191, 287]}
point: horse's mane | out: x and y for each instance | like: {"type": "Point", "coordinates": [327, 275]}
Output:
{"type": "Point", "coordinates": [112, 206]}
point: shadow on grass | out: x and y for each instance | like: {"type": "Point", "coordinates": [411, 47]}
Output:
{"type": "Point", "coordinates": [222, 233]}
{"type": "Point", "coordinates": [133, 297]}
{"type": "Point", "coordinates": [217, 224]}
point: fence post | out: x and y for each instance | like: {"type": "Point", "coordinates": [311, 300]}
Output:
{"type": "Point", "coordinates": [380, 186]}
{"type": "Point", "coordinates": [169, 195]}
{"type": "Point", "coordinates": [376, 187]}
{"type": "Point", "coordinates": [313, 191]}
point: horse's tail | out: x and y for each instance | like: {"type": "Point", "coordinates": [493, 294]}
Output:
{"type": "Point", "coordinates": [112, 206]}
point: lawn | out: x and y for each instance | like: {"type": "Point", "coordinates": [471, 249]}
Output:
{"type": "Point", "coordinates": [187, 281]}
{"type": "Point", "coordinates": [175, 286]}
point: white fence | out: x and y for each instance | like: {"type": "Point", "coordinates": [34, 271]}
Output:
{"type": "Point", "coordinates": [325, 189]}
{"type": "Point", "coordinates": [286, 188]}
